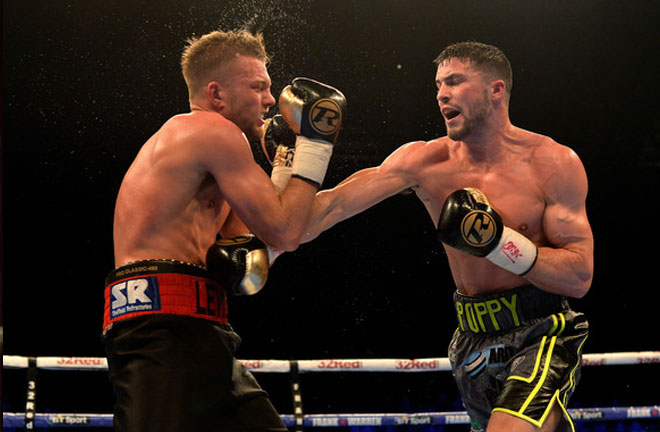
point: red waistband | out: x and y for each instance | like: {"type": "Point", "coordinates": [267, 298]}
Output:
{"type": "Point", "coordinates": [164, 293]}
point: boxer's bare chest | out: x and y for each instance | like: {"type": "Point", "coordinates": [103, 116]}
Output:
{"type": "Point", "coordinates": [513, 188]}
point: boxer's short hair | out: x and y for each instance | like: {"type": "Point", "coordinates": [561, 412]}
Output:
{"type": "Point", "coordinates": [487, 58]}
{"type": "Point", "coordinates": [205, 54]}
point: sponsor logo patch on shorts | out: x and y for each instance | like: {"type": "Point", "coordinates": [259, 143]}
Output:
{"type": "Point", "coordinates": [134, 295]}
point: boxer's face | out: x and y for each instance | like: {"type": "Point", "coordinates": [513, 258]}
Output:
{"type": "Point", "coordinates": [246, 95]}
{"type": "Point", "coordinates": [463, 98]}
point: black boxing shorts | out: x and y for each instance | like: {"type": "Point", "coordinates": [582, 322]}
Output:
{"type": "Point", "coordinates": [171, 354]}
{"type": "Point", "coordinates": [517, 352]}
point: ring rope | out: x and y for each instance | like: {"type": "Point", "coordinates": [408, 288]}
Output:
{"type": "Point", "coordinates": [17, 420]}
{"type": "Point", "coordinates": [299, 420]}
{"type": "Point", "coordinates": [332, 365]}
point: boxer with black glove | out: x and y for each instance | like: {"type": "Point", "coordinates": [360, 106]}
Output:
{"type": "Point", "coordinates": [279, 145]}
{"type": "Point", "coordinates": [315, 113]}
{"type": "Point", "coordinates": [239, 264]}
{"type": "Point", "coordinates": [470, 224]}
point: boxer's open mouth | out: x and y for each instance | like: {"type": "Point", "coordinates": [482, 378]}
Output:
{"type": "Point", "coordinates": [450, 113]}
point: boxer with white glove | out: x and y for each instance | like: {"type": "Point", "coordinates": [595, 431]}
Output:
{"type": "Point", "coordinates": [470, 224]}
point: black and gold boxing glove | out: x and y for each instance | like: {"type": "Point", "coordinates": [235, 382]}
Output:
{"type": "Point", "coordinates": [240, 264]}
{"type": "Point", "coordinates": [468, 223]}
{"type": "Point", "coordinates": [315, 111]}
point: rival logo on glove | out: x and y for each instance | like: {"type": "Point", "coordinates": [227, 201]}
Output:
{"type": "Point", "coordinates": [478, 228]}
{"type": "Point", "coordinates": [325, 116]}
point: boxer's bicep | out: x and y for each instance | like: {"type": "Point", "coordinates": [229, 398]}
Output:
{"type": "Point", "coordinates": [565, 221]}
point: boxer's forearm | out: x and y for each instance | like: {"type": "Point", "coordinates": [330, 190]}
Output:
{"type": "Point", "coordinates": [331, 207]}
{"type": "Point", "coordinates": [563, 271]}
{"type": "Point", "coordinates": [354, 195]}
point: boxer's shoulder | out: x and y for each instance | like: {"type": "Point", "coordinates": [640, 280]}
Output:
{"type": "Point", "coordinates": [204, 132]}
{"type": "Point", "coordinates": [540, 145]}
{"type": "Point", "coordinates": [546, 153]}
{"type": "Point", "coordinates": [200, 123]}
{"type": "Point", "coordinates": [417, 155]}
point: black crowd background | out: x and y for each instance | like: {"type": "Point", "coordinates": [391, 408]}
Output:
{"type": "Point", "coordinates": [85, 83]}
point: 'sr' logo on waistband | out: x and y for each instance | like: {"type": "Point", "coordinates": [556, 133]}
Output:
{"type": "Point", "coordinates": [134, 295]}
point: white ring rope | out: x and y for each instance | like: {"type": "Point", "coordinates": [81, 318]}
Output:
{"type": "Point", "coordinates": [343, 365]}
{"type": "Point", "coordinates": [334, 365]}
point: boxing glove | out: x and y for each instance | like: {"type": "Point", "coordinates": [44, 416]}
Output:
{"type": "Point", "coordinates": [468, 223]}
{"type": "Point", "coordinates": [240, 264]}
{"type": "Point", "coordinates": [278, 144]}
{"type": "Point", "coordinates": [315, 112]}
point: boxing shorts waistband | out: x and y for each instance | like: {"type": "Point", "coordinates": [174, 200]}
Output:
{"type": "Point", "coordinates": [506, 310]}
{"type": "Point", "coordinates": [162, 287]}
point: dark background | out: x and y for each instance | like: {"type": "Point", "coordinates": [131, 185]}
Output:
{"type": "Point", "coordinates": [85, 83]}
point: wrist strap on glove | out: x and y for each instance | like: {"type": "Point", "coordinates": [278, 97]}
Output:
{"type": "Point", "coordinates": [514, 252]}
{"type": "Point", "coordinates": [311, 159]}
